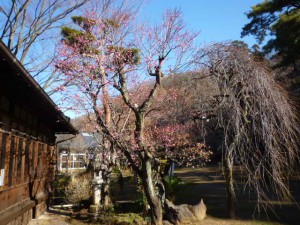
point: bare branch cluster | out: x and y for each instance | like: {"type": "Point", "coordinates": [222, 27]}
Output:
{"type": "Point", "coordinates": [27, 28]}
{"type": "Point", "coordinates": [259, 124]}
{"type": "Point", "coordinates": [79, 189]}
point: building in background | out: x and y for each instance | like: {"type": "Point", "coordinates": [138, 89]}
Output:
{"type": "Point", "coordinates": [76, 153]}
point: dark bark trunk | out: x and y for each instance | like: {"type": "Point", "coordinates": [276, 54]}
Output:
{"type": "Point", "coordinates": [146, 157]}
{"type": "Point", "coordinates": [230, 189]}
{"type": "Point", "coordinates": [295, 66]}
{"type": "Point", "coordinates": [156, 213]}
{"type": "Point", "coordinates": [152, 197]}
{"type": "Point", "coordinates": [105, 192]}
{"type": "Point", "coordinates": [146, 172]}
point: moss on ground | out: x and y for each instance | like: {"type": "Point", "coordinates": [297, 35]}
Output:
{"type": "Point", "coordinates": [123, 219]}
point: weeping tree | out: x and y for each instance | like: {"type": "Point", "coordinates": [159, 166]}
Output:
{"type": "Point", "coordinates": [259, 126]}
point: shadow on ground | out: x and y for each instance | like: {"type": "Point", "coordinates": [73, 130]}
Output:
{"type": "Point", "coordinates": [208, 183]}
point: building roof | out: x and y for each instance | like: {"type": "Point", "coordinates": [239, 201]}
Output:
{"type": "Point", "coordinates": [17, 84]}
{"type": "Point", "coordinates": [81, 143]}
{"type": "Point", "coordinates": [90, 140]}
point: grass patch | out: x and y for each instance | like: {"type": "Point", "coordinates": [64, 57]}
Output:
{"type": "Point", "coordinates": [121, 219]}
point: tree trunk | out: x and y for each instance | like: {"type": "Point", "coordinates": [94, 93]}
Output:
{"type": "Point", "coordinates": [230, 189]}
{"type": "Point", "coordinates": [105, 101]}
{"type": "Point", "coordinates": [295, 66]}
{"type": "Point", "coordinates": [106, 197]}
{"type": "Point", "coordinates": [153, 199]}
{"type": "Point", "coordinates": [106, 201]}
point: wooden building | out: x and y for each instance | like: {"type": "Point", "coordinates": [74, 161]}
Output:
{"type": "Point", "coordinates": [29, 120]}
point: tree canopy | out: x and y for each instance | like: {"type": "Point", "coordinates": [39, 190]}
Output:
{"type": "Point", "coordinates": [281, 20]}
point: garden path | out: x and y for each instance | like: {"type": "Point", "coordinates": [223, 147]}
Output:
{"type": "Point", "coordinates": [49, 218]}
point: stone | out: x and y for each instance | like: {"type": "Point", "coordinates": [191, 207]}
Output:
{"type": "Point", "coordinates": [185, 214]}
{"type": "Point", "coordinates": [199, 210]}
{"type": "Point", "coordinates": [166, 222]}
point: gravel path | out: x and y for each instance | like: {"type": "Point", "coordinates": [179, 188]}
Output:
{"type": "Point", "coordinates": [49, 218]}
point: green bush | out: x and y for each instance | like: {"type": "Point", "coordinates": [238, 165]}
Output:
{"type": "Point", "coordinates": [172, 186]}
{"type": "Point", "coordinates": [61, 181]}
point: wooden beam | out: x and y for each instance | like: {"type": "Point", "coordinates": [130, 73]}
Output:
{"type": "Point", "coordinates": [15, 211]}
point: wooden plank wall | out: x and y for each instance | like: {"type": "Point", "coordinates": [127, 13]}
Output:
{"type": "Point", "coordinates": [26, 169]}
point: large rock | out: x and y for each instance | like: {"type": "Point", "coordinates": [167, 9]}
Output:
{"type": "Point", "coordinates": [185, 214]}
{"type": "Point", "coordinates": [199, 210]}
{"type": "Point", "coordinates": [166, 222]}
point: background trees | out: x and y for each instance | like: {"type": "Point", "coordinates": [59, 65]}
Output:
{"type": "Point", "coordinates": [280, 19]}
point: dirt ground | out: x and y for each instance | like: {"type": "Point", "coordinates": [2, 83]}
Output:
{"type": "Point", "coordinates": [208, 183]}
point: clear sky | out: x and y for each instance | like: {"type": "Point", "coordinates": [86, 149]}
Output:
{"type": "Point", "coordinates": [217, 20]}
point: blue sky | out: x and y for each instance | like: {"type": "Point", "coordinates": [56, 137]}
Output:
{"type": "Point", "coordinates": [217, 20]}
